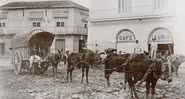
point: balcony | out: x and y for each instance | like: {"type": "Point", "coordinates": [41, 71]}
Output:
{"type": "Point", "coordinates": [135, 12]}
{"type": "Point", "coordinates": [55, 30]}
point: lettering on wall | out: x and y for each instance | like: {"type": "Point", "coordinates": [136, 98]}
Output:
{"type": "Point", "coordinates": [161, 35]}
{"type": "Point", "coordinates": [125, 36]}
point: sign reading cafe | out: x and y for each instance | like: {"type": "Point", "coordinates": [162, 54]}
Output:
{"type": "Point", "coordinates": [125, 36]}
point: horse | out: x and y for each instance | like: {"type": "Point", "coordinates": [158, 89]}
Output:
{"type": "Point", "coordinates": [82, 60]}
{"type": "Point", "coordinates": [142, 68]}
{"type": "Point", "coordinates": [53, 59]}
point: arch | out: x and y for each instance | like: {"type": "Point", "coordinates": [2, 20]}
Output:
{"type": "Point", "coordinates": [164, 39]}
{"type": "Point", "coordinates": [132, 36]}
{"type": "Point", "coordinates": [37, 31]}
{"type": "Point", "coordinates": [160, 28]}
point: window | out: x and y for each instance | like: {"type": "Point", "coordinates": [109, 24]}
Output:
{"type": "Point", "coordinates": [124, 5]}
{"type": "Point", "coordinates": [60, 24]}
{"type": "Point", "coordinates": [2, 24]}
{"type": "Point", "coordinates": [159, 4]}
{"type": "Point", "coordinates": [85, 26]}
{"type": "Point", "coordinates": [36, 24]}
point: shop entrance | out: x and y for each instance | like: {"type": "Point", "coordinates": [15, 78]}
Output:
{"type": "Point", "coordinates": [164, 48]}
{"type": "Point", "coordinates": [164, 39]}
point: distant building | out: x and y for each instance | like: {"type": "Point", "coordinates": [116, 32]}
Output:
{"type": "Point", "coordinates": [66, 19]}
{"type": "Point", "coordinates": [118, 23]}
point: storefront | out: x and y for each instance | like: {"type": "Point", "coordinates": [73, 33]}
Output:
{"type": "Point", "coordinates": [125, 41]}
{"type": "Point", "coordinates": [164, 39]}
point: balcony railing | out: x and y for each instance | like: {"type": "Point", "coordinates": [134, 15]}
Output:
{"type": "Point", "coordinates": [55, 30]}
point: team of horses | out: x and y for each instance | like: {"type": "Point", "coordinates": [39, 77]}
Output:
{"type": "Point", "coordinates": [137, 68]}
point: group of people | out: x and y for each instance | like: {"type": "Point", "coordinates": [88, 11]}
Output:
{"type": "Point", "coordinates": [37, 57]}
{"type": "Point", "coordinates": [153, 49]}
{"type": "Point", "coordinates": [154, 46]}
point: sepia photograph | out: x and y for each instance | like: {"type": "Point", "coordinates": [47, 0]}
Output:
{"type": "Point", "coordinates": [92, 49]}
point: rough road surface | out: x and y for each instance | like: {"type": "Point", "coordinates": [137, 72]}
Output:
{"type": "Point", "coordinates": [45, 87]}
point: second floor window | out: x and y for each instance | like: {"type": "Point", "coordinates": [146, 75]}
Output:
{"type": "Point", "coordinates": [124, 5]}
{"type": "Point", "coordinates": [60, 24]}
{"type": "Point", "coordinates": [160, 4]}
{"type": "Point", "coordinates": [36, 24]}
{"type": "Point", "coordinates": [85, 26]}
{"type": "Point", "coordinates": [2, 24]}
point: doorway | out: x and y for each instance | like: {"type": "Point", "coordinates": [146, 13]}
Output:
{"type": "Point", "coordinates": [81, 45]}
{"type": "Point", "coordinates": [164, 48]}
{"type": "Point", "coordinates": [60, 44]}
{"type": "Point", "coordinates": [2, 49]}
{"type": "Point", "coordinates": [164, 38]}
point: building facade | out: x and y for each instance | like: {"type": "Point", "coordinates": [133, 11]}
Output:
{"type": "Point", "coordinates": [66, 19]}
{"type": "Point", "coordinates": [119, 23]}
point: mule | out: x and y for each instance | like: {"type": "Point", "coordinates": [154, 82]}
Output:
{"type": "Point", "coordinates": [141, 68]}
{"type": "Point", "coordinates": [82, 60]}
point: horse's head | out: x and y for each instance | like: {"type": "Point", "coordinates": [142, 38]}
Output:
{"type": "Point", "coordinates": [110, 50]}
{"type": "Point", "coordinates": [100, 57]}
{"type": "Point", "coordinates": [166, 71]}
{"type": "Point", "coordinates": [61, 56]}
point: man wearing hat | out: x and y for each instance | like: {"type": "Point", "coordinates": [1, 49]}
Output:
{"type": "Point", "coordinates": [137, 48]}
{"type": "Point", "coordinates": [154, 47]}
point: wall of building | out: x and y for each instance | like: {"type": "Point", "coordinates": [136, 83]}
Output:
{"type": "Point", "coordinates": [20, 21]}
{"type": "Point", "coordinates": [130, 8]}
{"type": "Point", "coordinates": [104, 33]}
{"type": "Point", "coordinates": [139, 16]}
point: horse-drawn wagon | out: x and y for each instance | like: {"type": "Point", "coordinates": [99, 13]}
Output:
{"type": "Point", "coordinates": [27, 44]}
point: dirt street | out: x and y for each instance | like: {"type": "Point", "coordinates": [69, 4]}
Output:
{"type": "Point", "coordinates": [25, 86]}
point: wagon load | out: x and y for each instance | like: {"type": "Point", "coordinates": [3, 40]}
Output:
{"type": "Point", "coordinates": [27, 44]}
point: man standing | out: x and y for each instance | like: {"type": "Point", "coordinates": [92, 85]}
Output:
{"type": "Point", "coordinates": [137, 48]}
{"type": "Point", "coordinates": [154, 47]}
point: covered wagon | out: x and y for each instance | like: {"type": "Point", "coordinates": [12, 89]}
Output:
{"type": "Point", "coordinates": [25, 45]}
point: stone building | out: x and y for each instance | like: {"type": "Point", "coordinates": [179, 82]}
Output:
{"type": "Point", "coordinates": [118, 23]}
{"type": "Point", "coordinates": [66, 19]}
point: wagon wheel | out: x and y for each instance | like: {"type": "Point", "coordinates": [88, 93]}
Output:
{"type": "Point", "coordinates": [17, 64]}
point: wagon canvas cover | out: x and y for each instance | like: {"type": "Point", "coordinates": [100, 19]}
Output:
{"type": "Point", "coordinates": [41, 40]}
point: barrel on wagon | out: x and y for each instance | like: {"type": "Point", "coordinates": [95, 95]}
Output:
{"type": "Point", "coordinates": [25, 45]}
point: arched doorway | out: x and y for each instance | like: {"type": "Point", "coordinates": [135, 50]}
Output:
{"type": "Point", "coordinates": [125, 40]}
{"type": "Point", "coordinates": [164, 39]}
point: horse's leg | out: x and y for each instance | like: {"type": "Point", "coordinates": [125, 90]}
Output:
{"type": "Point", "coordinates": [53, 72]}
{"type": "Point", "coordinates": [126, 77]}
{"type": "Point", "coordinates": [71, 74]}
{"type": "Point", "coordinates": [82, 74]}
{"type": "Point", "coordinates": [147, 89]}
{"type": "Point", "coordinates": [33, 69]}
{"type": "Point", "coordinates": [107, 76]}
{"type": "Point", "coordinates": [134, 90]}
{"type": "Point", "coordinates": [56, 71]}
{"type": "Point", "coordinates": [87, 74]}
{"type": "Point", "coordinates": [131, 90]}
{"type": "Point", "coordinates": [68, 75]}
{"type": "Point", "coordinates": [131, 85]}
{"type": "Point", "coordinates": [153, 88]}
{"type": "Point", "coordinates": [177, 70]}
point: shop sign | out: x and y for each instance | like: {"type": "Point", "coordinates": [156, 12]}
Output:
{"type": "Point", "coordinates": [162, 36]}
{"type": "Point", "coordinates": [126, 36]}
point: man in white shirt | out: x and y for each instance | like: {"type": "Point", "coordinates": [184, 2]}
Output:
{"type": "Point", "coordinates": [154, 47]}
{"type": "Point", "coordinates": [35, 60]}
{"type": "Point", "coordinates": [137, 48]}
